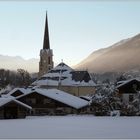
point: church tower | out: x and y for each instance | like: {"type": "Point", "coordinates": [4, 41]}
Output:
{"type": "Point", "coordinates": [46, 54]}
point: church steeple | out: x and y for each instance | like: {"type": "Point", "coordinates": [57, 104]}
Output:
{"type": "Point", "coordinates": [46, 43]}
{"type": "Point", "coordinates": [46, 54]}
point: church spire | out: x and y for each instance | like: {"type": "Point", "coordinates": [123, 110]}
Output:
{"type": "Point", "coordinates": [46, 43]}
{"type": "Point", "coordinates": [46, 54]}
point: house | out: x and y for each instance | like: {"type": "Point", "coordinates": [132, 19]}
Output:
{"type": "Point", "coordinates": [10, 108]}
{"type": "Point", "coordinates": [49, 101]}
{"type": "Point", "coordinates": [64, 78]}
{"type": "Point", "coordinates": [128, 89]}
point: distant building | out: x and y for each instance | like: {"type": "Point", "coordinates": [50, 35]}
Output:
{"type": "Point", "coordinates": [64, 78]}
{"type": "Point", "coordinates": [46, 54]}
{"type": "Point", "coordinates": [128, 89]}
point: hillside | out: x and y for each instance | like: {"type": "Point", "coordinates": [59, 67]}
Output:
{"type": "Point", "coordinates": [120, 57]}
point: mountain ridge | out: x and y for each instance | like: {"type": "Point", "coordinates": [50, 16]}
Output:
{"type": "Point", "coordinates": [17, 62]}
{"type": "Point", "coordinates": [119, 57]}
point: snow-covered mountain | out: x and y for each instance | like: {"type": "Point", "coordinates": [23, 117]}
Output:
{"type": "Point", "coordinates": [120, 57]}
{"type": "Point", "coordinates": [14, 63]}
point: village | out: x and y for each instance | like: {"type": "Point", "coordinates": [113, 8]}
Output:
{"type": "Point", "coordinates": [61, 90]}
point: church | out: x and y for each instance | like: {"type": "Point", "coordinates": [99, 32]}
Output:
{"type": "Point", "coordinates": [57, 90]}
{"type": "Point", "coordinates": [62, 76]}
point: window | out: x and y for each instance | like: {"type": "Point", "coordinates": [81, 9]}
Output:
{"type": "Point", "coordinates": [39, 101]}
{"type": "Point", "coordinates": [49, 60]}
{"type": "Point", "coordinates": [31, 100]}
{"type": "Point", "coordinates": [46, 101]}
{"type": "Point", "coordinates": [41, 61]}
{"type": "Point", "coordinates": [49, 68]}
{"type": "Point", "coordinates": [17, 93]}
{"type": "Point", "coordinates": [131, 98]}
{"type": "Point", "coordinates": [135, 87]}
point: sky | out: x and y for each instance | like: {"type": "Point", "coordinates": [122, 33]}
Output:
{"type": "Point", "coordinates": [76, 28]}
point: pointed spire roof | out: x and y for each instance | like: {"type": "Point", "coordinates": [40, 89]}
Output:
{"type": "Point", "coordinates": [46, 43]}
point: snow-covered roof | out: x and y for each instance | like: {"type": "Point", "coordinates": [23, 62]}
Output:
{"type": "Point", "coordinates": [5, 100]}
{"type": "Point", "coordinates": [63, 75]}
{"type": "Point", "coordinates": [22, 104]}
{"type": "Point", "coordinates": [60, 96]}
{"type": "Point", "coordinates": [124, 82]}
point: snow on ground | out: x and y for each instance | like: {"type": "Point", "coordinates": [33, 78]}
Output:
{"type": "Point", "coordinates": [71, 127]}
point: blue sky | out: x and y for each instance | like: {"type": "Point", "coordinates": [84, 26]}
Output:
{"type": "Point", "coordinates": [76, 28]}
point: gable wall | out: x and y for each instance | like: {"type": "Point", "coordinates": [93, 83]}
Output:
{"type": "Point", "coordinates": [20, 110]}
{"type": "Point", "coordinates": [74, 90]}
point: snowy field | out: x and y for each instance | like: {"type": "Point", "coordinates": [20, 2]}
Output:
{"type": "Point", "coordinates": [71, 127]}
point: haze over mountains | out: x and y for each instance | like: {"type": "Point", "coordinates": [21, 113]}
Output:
{"type": "Point", "coordinates": [14, 63]}
{"type": "Point", "coordinates": [120, 57]}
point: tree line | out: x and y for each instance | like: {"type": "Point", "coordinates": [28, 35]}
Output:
{"type": "Point", "coordinates": [19, 78]}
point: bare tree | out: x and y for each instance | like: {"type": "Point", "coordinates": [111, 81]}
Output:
{"type": "Point", "coordinates": [25, 77]}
